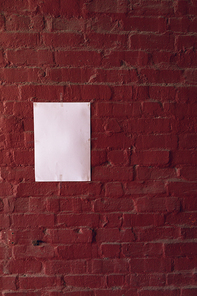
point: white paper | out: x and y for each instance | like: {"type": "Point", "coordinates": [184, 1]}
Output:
{"type": "Point", "coordinates": [62, 141]}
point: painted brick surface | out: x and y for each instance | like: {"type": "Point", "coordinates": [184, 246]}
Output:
{"type": "Point", "coordinates": [132, 230]}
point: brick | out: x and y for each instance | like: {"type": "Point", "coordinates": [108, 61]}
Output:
{"type": "Point", "coordinates": [114, 189]}
{"type": "Point", "coordinates": [128, 58]}
{"type": "Point", "coordinates": [23, 158]}
{"type": "Point", "coordinates": [188, 233]}
{"type": "Point", "coordinates": [5, 189]}
{"type": "Point", "coordinates": [9, 93]}
{"type": "Point", "coordinates": [181, 188]}
{"type": "Point", "coordinates": [37, 23]}
{"type": "Point", "coordinates": [181, 8]}
{"type": "Point", "coordinates": [11, 75]}
{"type": "Point", "coordinates": [66, 236]}
{"type": "Point", "coordinates": [150, 158]}
{"type": "Point", "coordinates": [152, 108]}
{"type": "Point", "coordinates": [67, 40]}
{"type": "Point", "coordinates": [98, 157]}
{"type": "Point", "coordinates": [15, 6]}
{"type": "Point", "coordinates": [3, 252]}
{"type": "Point", "coordinates": [153, 41]}
{"type": "Point", "coordinates": [122, 92]}
{"type": "Point", "coordinates": [109, 7]}
{"type": "Point", "coordinates": [20, 204]}
{"type": "Point", "coordinates": [75, 205]}
{"type": "Point", "coordinates": [115, 280]}
{"type": "Point", "coordinates": [29, 57]}
{"type": "Point", "coordinates": [72, 293]}
{"type": "Point", "coordinates": [4, 221]}
{"type": "Point", "coordinates": [189, 291]}
{"type": "Point", "coordinates": [36, 282]}
{"type": "Point", "coordinates": [104, 110]}
{"type": "Point", "coordinates": [114, 235]}
{"type": "Point", "coordinates": [118, 157]}
{"type": "Point", "coordinates": [69, 74]}
{"type": "Point", "coordinates": [111, 76]}
{"type": "Point", "coordinates": [52, 204]}
{"type": "Point", "coordinates": [77, 58]}
{"type": "Point", "coordinates": [11, 124]}
{"type": "Point", "coordinates": [139, 280]}
{"type": "Point", "coordinates": [111, 205]}
{"type": "Point", "coordinates": [88, 220]}
{"type": "Point", "coordinates": [152, 8]}
{"type": "Point", "coordinates": [69, 10]}
{"type": "Point", "coordinates": [96, 92]}
{"type": "Point", "coordinates": [186, 59]}
{"type": "Point", "coordinates": [17, 23]}
{"type": "Point", "coordinates": [156, 265]}
{"type": "Point", "coordinates": [161, 76]}
{"type": "Point", "coordinates": [160, 93]}
{"type": "Point", "coordinates": [148, 173]}
{"type": "Point", "coordinates": [179, 279]}
{"type": "Point", "coordinates": [15, 40]}
{"type": "Point", "coordinates": [186, 94]}
{"type": "Point", "coordinates": [2, 22]}
{"type": "Point", "coordinates": [187, 141]}
{"type": "Point", "coordinates": [24, 266]}
{"type": "Point", "coordinates": [29, 140]}
{"type": "Point", "coordinates": [76, 188]}
{"type": "Point", "coordinates": [116, 141]}
{"type": "Point", "coordinates": [118, 292]}
{"type": "Point", "coordinates": [115, 41]}
{"type": "Point", "coordinates": [188, 173]}
{"type": "Point", "coordinates": [110, 220]}
{"type": "Point", "coordinates": [8, 282]}
{"type": "Point", "coordinates": [57, 267]}
{"type": "Point", "coordinates": [109, 173]}
{"type": "Point", "coordinates": [184, 157]}
{"type": "Point", "coordinates": [50, 7]}
{"type": "Point", "coordinates": [88, 281]}
{"type": "Point", "coordinates": [110, 250]}
{"type": "Point", "coordinates": [76, 251]}
{"type": "Point", "coordinates": [187, 219]}
{"type": "Point", "coordinates": [141, 250]}
{"type": "Point", "coordinates": [149, 126]}
{"type": "Point", "coordinates": [190, 76]}
{"type": "Point", "coordinates": [139, 220]}
{"type": "Point", "coordinates": [37, 204]}
{"type": "Point", "coordinates": [37, 189]}
{"type": "Point", "coordinates": [184, 263]}
{"type": "Point", "coordinates": [33, 220]}
{"type": "Point", "coordinates": [158, 204]}
{"type": "Point", "coordinates": [23, 252]}
{"type": "Point", "coordinates": [41, 92]}
{"type": "Point", "coordinates": [112, 126]}
{"type": "Point", "coordinates": [108, 266]}
{"type": "Point", "coordinates": [185, 42]}
{"type": "Point", "coordinates": [157, 141]}
{"type": "Point", "coordinates": [180, 249]}
{"type": "Point", "coordinates": [17, 174]}
{"type": "Point", "coordinates": [66, 24]}
{"type": "Point", "coordinates": [162, 292]}
{"type": "Point", "coordinates": [16, 293]}
{"type": "Point", "coordinates": [155, 233]}
{"type": "Point", "coordinates": [137, 23]}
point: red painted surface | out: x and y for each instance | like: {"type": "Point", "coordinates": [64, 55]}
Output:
{"type": "Point", "coordinates": [132, 230]}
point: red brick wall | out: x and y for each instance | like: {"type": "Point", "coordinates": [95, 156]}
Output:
{"type": "Point", "coordinates": [132, 229]}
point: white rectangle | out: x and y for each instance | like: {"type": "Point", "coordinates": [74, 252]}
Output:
{"type": "Point", "coordinates": [62, 142]}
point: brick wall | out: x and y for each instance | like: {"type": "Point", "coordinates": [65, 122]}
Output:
{"type": "Point", "coordinates": [132, 229]}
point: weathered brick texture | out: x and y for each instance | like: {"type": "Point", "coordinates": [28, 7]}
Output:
{"type": "Point", "coordinates": [132, 230]}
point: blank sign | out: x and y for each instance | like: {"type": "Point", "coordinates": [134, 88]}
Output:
{"type": "Point", "coordinates": [62, 141]}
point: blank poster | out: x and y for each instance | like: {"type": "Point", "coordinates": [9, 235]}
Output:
{"type": "Point", "coordinates": [62, 142]}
